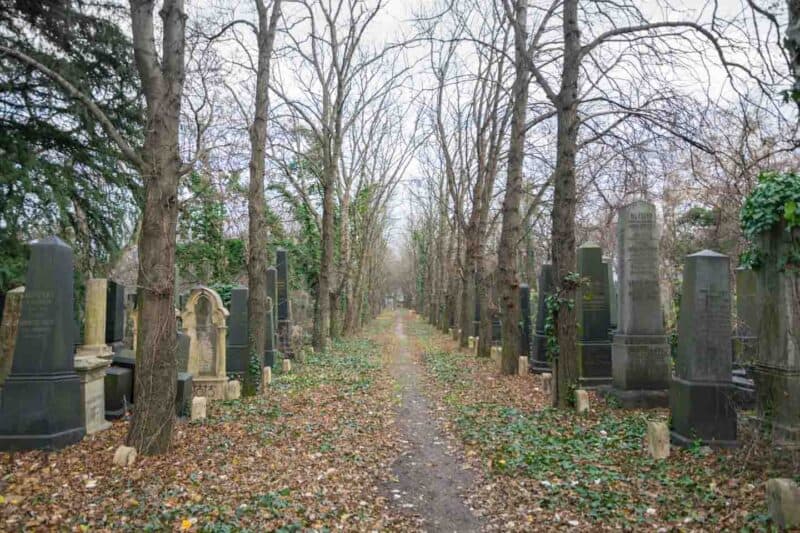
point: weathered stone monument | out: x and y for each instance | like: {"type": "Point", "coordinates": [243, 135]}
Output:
{"type": "Point", "coordinates": [701, 392]}
{"type": "Point", "coordinates": [777, 368]}
{"type": "Point", "coordinates": [40, 405]}
{"type": "Point", "coordinates": [284, 317]}
{"type": "Point", "coordinates": [115, 316]}
{"type": "Point", "coordinates": [8, 330]}
{"type": "Point", "coordinates": [237, 358]}
{"type": "Point", "coordinates": [94, 322]}
{"type": "Point", "coordinates": [640, 352]}
{"type": "Point", "coordinates": [539, 361]}
{"type": "Point", "coordinates": [204, 321]}
{"type": "Point", "coordinates": [594, 321]}
{"type": "Point", "coordinates": [525, 330]}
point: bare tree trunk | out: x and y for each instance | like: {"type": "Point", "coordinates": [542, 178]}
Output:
{"type": "Point", "coordinates": [156, 371]}
{"type": "Point", "coordinates": [509, 234]}
{"type": "Point", "coordinates": [256, 202]}
{"type": "Point", "coordinates": [322, 318]}
{"type": "Point", "coordinates": [563, 215]}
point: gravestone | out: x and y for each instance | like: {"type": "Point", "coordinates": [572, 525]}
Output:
{"type": "Point", "coordinates": [115, 316]}
{"type": "Point", "coordinates": [269, 344]}
{"type": "Point", "coordinates": [539, 362]}
{"type": "Point", "coordinates": [594, 321]}
{"type": "Point", "coordinates": [497, 328]}
{"type": "Point", "coordinates": [205, 322]}
{"type": "Point", "coordinates": [284, 317]}
{"type": "Point", "coordinates": [701, 392]}
{"type": "Point", "coordinates": [118, 386]}
{"type": "Point", "coordinates": [777, 368]}
{"type": "Point", "coordinates": [41, 397]}
{"type": "Point", "coordinates": [237, 350]}
{"type": "Point", "coordinates": [612, 296]}
{"type": "Point", "coordinates": [182, 351]}
{"type": "Point", "coordinates": [640, 355]}
{"type": "Point", "coordinates": [183, 395]}
{"type": "Point", "coordinates": [525, 330]}
{"type": "Point", "coordinates": [8, 330]}
{"type": "Point", "coordinates": [94, 320]}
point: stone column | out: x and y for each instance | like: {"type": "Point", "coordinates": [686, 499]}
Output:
{"type": "Point", "coordinates": [41, 398]}
{"type": "Point", "coordinates": [94, 323]}
{"type": "Point", "coordinates": [777, 368]}
{"type": "Point", "coordinates": [269, 346]}
{"type": "Point", "coordinates": [640, 355]}
{"type": "Point", "coordinates": [525, 313]}
{"type": "Point", "coordinates": [539, 363]}
{"type": "Point", "coordinates": [701, 392]}
{"type": "Point", "coordinates": [594, 321]}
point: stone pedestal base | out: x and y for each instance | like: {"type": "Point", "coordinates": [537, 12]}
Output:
{"type": "Point", "coordinates": [640, 368]}
{"type": "Point", "coordinates": [703, 411]}
{"type": "Point", "coordinates": [594, 363]}
{"type": "Point", "coordinates": [40, 412]}
{"type": "Point", "coordinates": [118, 391]}
{"type": "Point", "coordinates": [778, 403]}
{"type": "Point", "coordinates": [92, 372]}
{"type": "Point", "coordinates": [211, 388]}
{"type": "Point", "coordinates": [102, 351]}
{"type": "Point", "coordinates": [538, 362]}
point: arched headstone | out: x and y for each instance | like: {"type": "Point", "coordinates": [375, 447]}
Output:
{"type": "Point", "coordinates": [204, 321]}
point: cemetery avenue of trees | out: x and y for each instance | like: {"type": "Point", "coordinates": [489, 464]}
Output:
{"type": "Point", "coordinates": [429, 265]}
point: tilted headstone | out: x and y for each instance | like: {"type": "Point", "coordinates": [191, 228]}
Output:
{"type": "Point", "coordinates": [525, 316]}
{"type": "Point", "coordinates": [540, 363]}
{"type": "Point", "coordinates": [205, 322]}
{"type": "Point", "coordinates": [237, 352]}
{"type": "Point", "coordinates": [269, 344]}
{"type": "Point", "coordinates": [115, 316]}
{"type": "Point", "coordinates": [8, 330]}
{"type": "Point", "coordinates": [640, 353]}
{"type": "Point", "coordinates": [284, 318]}
{"type": "Point", "coordinates": [701, 392]}
{"type": "Point", "coordinates": [777, 368]}
{"type": "Point", "coordinates": [41, 397]}
{"type": "Point", "coordinates": [593, 311]}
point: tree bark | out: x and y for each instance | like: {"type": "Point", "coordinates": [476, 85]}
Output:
{"type": "Point", "coordinates": [563, 214]}
{"type": "Point", "coordinates": [256, 202]}
{"type": "Point", "coordinates": [322, 319]}
{"type": "Point", "coordinates": [156, 372]}
{"type": "Point", "coordinates": [509, 234]}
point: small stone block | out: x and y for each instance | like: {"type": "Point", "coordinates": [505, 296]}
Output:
{"type": "Point", "coordinates": [125, 456]}
{"type": "Point", "coordinates": [286, 366]}
{"type": "Point", "coordinates": [233, 390]}
{"type": "Point", "coordinates": [476, 344]}
{"type": "Point", "coordinates": [657, 440]}
{"type": "Point", "coordinates": [547, 383]}
{"type": "Point", "coordinates": [522, 367]}
{"type": "Point", "coordinates": [199, 404]}
{"type": "Point", "coordinates": [581, 401]}
{"type": "Point", "coordinates": [783, 502]}
{"type": "Point", "coordinates": [470, 342]}
{"type": "Point", "coordinates": [266, 378]}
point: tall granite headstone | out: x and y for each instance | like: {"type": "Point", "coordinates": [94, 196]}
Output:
{"type": "Point", "coordinates": [777, 368]}
{"type": "Point", "coordinates": [525, 315]}
{"type": "Point", "coordinates": [594, 321]}
{"type": "Point", "coordinates": [237, 332]}
{"type": "Point", "coordinates": [269, 343]}
{"type": "Point", "coordinates": [40, 406]}
{"type": "Point", "coordinates": [540, 363]}
{"type": "Point", "coordinates": [284, 320]}
{"type": "Point", "coordinates": [701, 392]}
{"type": "Point", "coordinates": [640, 355]}
{"type": "Point", "coordinates": [115, 316]}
